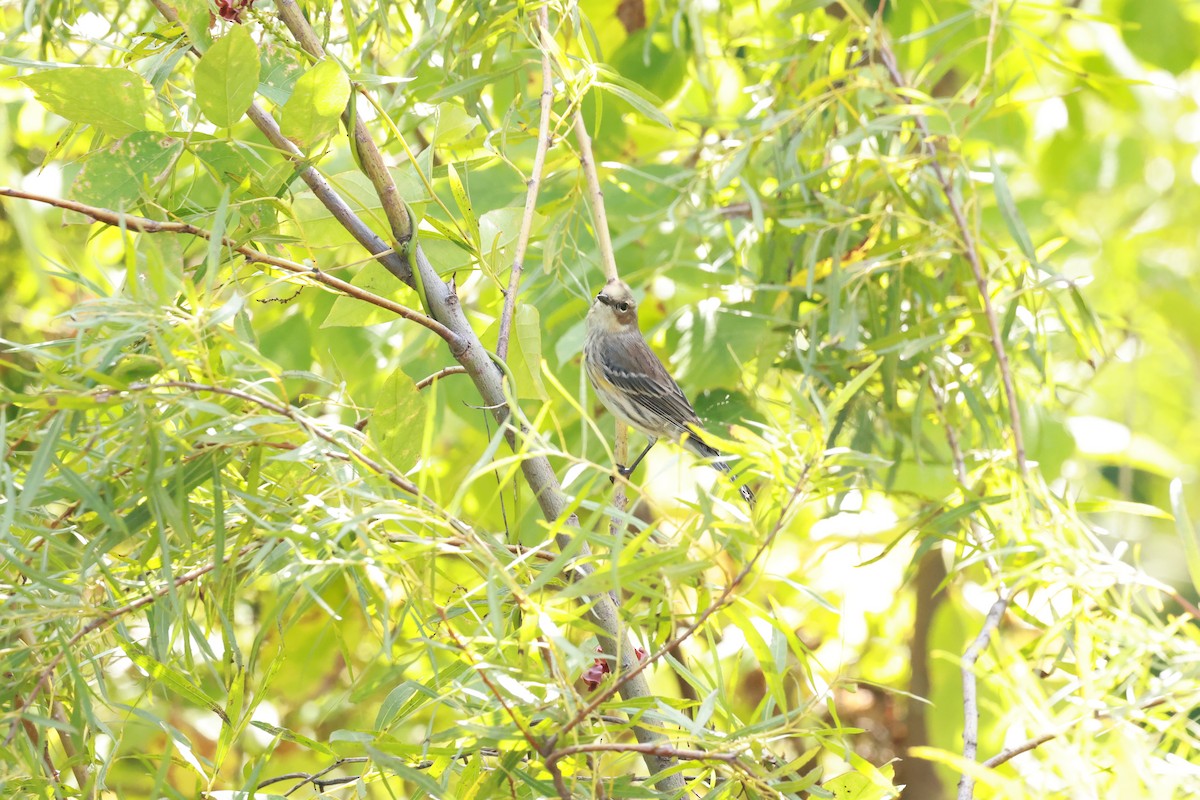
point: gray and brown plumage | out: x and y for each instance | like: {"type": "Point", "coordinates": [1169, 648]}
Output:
{"type": "Point", "coordinates": [634, 385]}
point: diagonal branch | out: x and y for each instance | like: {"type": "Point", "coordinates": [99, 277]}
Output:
{"type": "Point", "coordinates": [333, 202]}
{"type": "Point", "coordinates": [971, 250]}
{"type": "Point", "coordinates": [608, 261]}
{"type": "Point", "coordinates": [535, 181]}
{"type": "Point", "coordinates": [146, 225]}
{"type": "Point", "coordinates": [443, 305]}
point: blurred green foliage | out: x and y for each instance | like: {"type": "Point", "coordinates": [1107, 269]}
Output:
{"type": "Point", "coordinates": [203, 591]}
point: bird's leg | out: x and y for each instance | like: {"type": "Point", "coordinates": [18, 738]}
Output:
{"type": "Point", "coordinates": [627, 471]}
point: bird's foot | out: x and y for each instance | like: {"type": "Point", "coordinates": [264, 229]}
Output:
{"type": "Point", "coordinates": [624, 472]}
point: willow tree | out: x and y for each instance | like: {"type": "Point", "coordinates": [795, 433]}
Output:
{"type": "Point", "coordinates": [304, 491]}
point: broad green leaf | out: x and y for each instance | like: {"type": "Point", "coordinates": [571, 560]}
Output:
{"type": "Point", "coordinates": [116, 176]}
{"type": "Point", "coordinates": [117, 101]}
{"type": "Point", "coordinates": [351, 312]}
{"type": "Point", "coordinates": [1158, 32]}
{"type": "Point", "coordinates": [398, 421]}
{"type": "Point", "coordinates": [525, 351]}
{"type": "Point", "coordinates": [319, 98]}
{"type": "Point", "coordinates": [227, 77]}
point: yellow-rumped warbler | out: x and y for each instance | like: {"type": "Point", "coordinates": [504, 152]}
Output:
{"type": "Point", "coordinates": [634, 385]}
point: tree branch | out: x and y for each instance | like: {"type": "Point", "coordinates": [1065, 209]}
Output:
{"type": "Point", "coordinates": [608, 261]}
{"type": "Point", "coordinates": [369, 157]}
{"type": "Point", "coordinates": [333, 202]}
{"type": "Point", "coordinates": [970, 249]}
{"type": "Point", "coordinates": [619, 680]}
{"type": "Point", "coordinates": [534, 183]}
{"type": "Point", "coordinates": [146, 225]}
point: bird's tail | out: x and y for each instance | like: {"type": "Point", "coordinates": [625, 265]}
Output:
{"type": "Point", "coordinates": [713, 456]}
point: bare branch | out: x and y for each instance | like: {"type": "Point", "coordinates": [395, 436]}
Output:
{"type": "Point", "coordinates": [1038, 741]}
{"type": "Point", "coordinates": [608, 261]}
{"type": "Point", "coordinates": [966, 784]}
{"type": "Point", "coordinates": [146, 225]}
{"type": "Point", "coordinates": [429, 380]}
{"type": "Point", "coordinates": [534, 183]}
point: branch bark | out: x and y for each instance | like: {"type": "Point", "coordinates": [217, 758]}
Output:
{"type": "Point", "coordinates": [146, 225]}
{"type": "Point", "coordinates": [534, 183]}
{"type": "Point", "coordinates": [970, 249]}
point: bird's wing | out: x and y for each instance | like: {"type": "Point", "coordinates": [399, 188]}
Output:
{"type": "Point", "coordinates": [635, 370]}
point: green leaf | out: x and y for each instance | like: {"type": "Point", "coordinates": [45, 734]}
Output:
{"type": "Point", "coordinates": [351, 312]}
{"type": "Point", "coordinates": [116, 176]}
{"type": "Point", "coordinates": [421, 779]}
{"type": "Point", "coordinates": [1158, 33]}
{"type": "Point", "coordinates": [116, 101]}
{"type": "Point", "coordinates": [636, 96]}
{"type": "Point", "coordinates": [295, 738]}
{"type": "Point", "coordinates": [850, 389]}
{"type": "Point", "coordinates": [463, 201]}
{"type": "Point", "coordinates": [1012, 218]}
{"type": "Point", "coordinates": [398, 421]}
{"type": "Point", "coordinates": [178, 683]}
{"type": "Point", "coordinates": [1187, 533]}
{"type": "Point", "coordinates": [227, 77]}
{"type": "Point", "coordinates": [320, 96]}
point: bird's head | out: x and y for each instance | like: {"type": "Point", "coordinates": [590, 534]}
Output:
{"type": "Point", "coordinates": [614, 309]}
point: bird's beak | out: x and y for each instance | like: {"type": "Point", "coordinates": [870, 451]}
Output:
{"type": "Point", "coordinates": [603, 298]}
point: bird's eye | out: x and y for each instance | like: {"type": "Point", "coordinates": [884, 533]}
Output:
{"type": "Point", "coordinates": [623, 307]}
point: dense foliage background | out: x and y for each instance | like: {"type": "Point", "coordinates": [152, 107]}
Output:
{"type": "Point", "coordinates": [217, 580]}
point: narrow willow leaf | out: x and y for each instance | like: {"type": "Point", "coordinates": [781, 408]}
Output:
{"type": "Point", "coordinates": [174, 680]}
{"type": "Point", "coordinates": [1012, 217]}
{"type": "Point", "coordinates": [463, 201]}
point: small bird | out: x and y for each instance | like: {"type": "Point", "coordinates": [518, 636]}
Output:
{"type": "Point", "coordinates": [634, 385]}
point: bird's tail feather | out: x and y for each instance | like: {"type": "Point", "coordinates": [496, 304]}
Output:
{"type": "Point", "coordinates": [711, 454]}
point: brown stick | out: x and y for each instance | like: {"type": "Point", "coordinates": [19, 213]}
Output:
{"type": "Point", "coordinates": [534, 183]}
{"type": "Point", "coordinates": [145, 225]}
{"type": "Point", "coordinates": [972, 253]}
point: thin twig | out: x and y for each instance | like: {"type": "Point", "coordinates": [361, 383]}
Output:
{"type": "Point", "coordinates": [619, 680]}
{"type": "Point", "coordinates": [315, 777]}
{"type": "Point", "coordinates": [608, 261]}
{"type": "Point", "coordinates": [1037, 741]}
{"type": "Point", "coordinates": [972, 253]}
{"type": "Point", "coordinates": [534, 183]}
{"type": "Point", "coordinates": [429, 380]}
{"type": "Point", "coordinates": [146, 225]}
{"type": "Point", "coordinates": [966, 783]}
